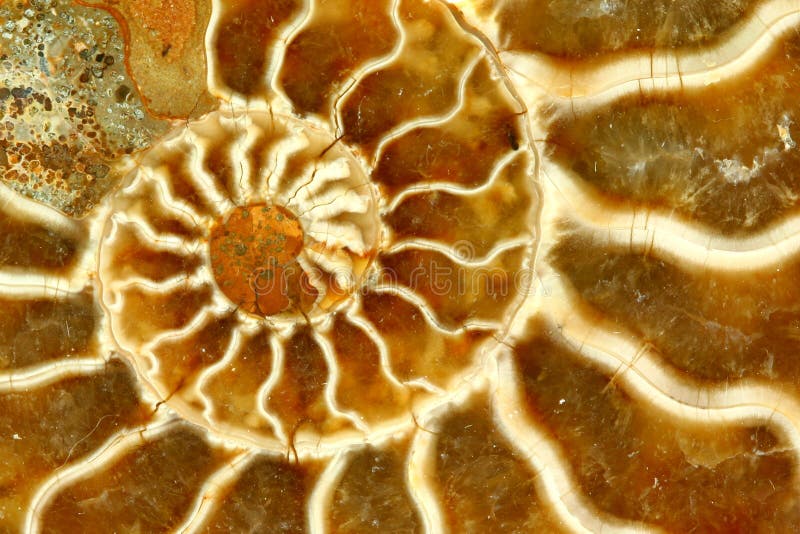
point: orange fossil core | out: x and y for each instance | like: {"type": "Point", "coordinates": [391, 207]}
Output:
{"type": "Point", "coordinates": [254, 258]}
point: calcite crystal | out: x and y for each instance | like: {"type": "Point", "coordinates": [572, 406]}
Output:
{"type": "Point", "coordinates": [399, 266]}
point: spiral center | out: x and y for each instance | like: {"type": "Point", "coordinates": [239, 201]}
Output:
{"type": "Point", "coordinates": [254, 253]}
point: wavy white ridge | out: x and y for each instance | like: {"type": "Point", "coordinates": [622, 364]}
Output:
{"type": "Point", "coordinates": [647, 377]}
{"type": "Point", "coordinates": [645, 72]}
{"type": "Point", "coordinates": [660, 233]}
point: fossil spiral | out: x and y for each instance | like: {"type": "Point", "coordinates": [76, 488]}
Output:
{"type": "Point", "coordinates": [399, 266]}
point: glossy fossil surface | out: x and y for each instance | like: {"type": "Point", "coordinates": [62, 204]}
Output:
{"type": "Point", "coordinates": [398, 266]}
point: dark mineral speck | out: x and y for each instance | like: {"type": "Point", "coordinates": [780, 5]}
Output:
{"type": "Point", "coordinates": [122, 93]}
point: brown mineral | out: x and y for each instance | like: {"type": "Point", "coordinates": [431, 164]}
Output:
{"type": "Point", "coordinates": [399, 266]}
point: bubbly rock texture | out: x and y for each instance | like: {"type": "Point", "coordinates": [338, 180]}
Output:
{"type": "Point", "coordinates": [399, 266]}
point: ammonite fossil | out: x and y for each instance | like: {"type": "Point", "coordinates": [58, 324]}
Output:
{"type": "Point", "coordinates": [399, 266]}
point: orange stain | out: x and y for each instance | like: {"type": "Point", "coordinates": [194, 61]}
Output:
{"type": "Point", "coordinates": [253, 256]}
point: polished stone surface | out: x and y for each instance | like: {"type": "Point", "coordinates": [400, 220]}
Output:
{"type": "Point", "coordinates": [399, 266]}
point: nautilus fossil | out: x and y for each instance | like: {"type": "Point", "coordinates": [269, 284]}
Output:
{"type": "Point", "coordinates": [399, 266]}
